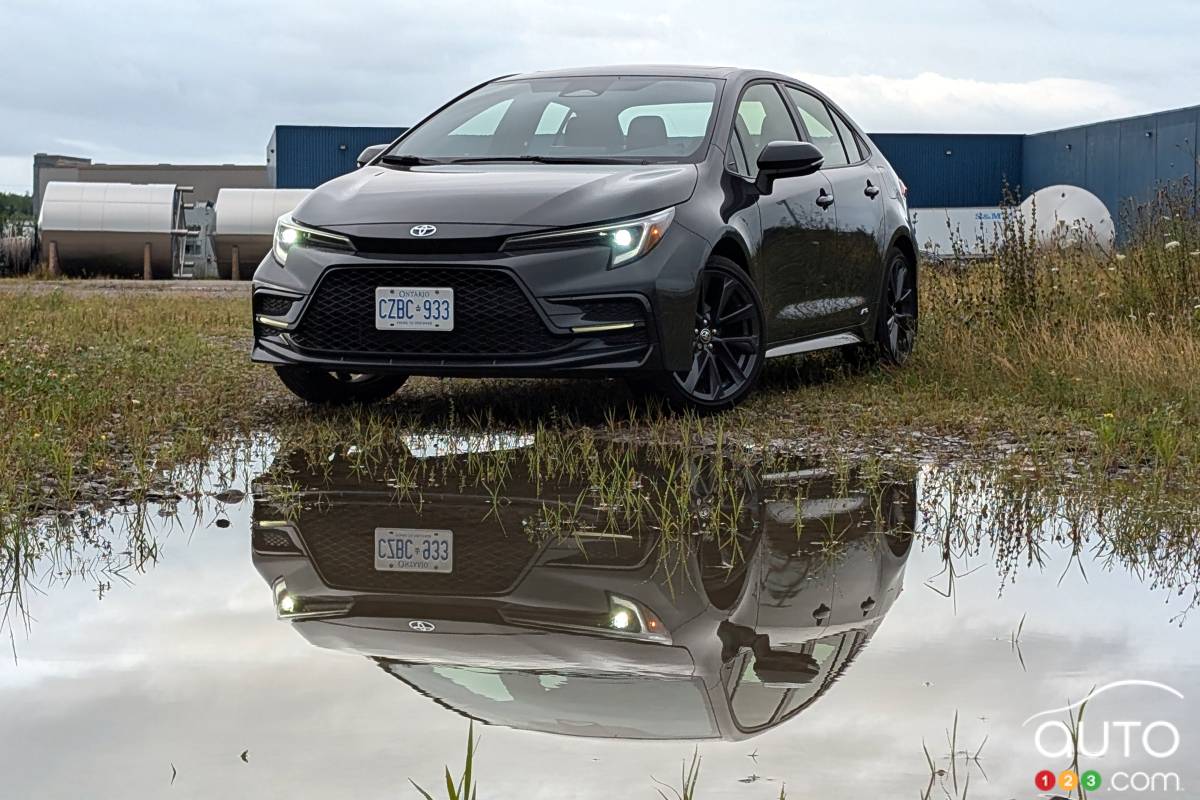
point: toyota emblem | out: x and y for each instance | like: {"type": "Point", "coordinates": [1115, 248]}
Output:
{"type": "Point", "coordinates": [423, 230]}
{"type": "Point", "coordinates": [421, 626]}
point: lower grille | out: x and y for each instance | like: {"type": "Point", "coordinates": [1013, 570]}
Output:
{"type": "Point", "coordinates": [272, 305]}
{"type": "Point", "coordinates": [617, 309]}
{"type": "Point", "coordinates": [341, 544]}
{"type": "Point", "coordinates": [492, 316]}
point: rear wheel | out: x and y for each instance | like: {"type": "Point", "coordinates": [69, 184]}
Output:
{"type": "Point", "coordinates": [727, 341]}
{"type": "Point", "coordinates": [896, 322]}
{"type": "Point", "coordinates": [338, 388]}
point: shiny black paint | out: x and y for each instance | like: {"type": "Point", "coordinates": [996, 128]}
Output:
{"type": "Point", "coordinates": [761, 618]}
{"type": "Point", "coordinates": [818, 265]}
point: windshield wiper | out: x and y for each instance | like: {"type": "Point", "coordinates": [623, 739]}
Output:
{"type": "Point", "coordinates": [408, 161]}
{"type": "Point", "coordinates": [546, 160]}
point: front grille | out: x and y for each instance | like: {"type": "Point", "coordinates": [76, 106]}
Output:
{"type": "Point", "coordinates": [341, 543]}
{"type": "Point", "coordinates": [492, 316]}
{"type": "Point", "coordinates": [427, 247]}
{"type": "Point", "coordinates": [272, 305]}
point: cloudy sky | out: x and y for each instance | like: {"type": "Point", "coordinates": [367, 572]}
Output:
{"type": "Point", "coordinates": [133, 80]}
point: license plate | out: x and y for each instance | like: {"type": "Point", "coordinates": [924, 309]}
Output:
{"type": "Point", "coordinates": [414, 308]}
{"type": "Point", "coordinates": [413, 550]}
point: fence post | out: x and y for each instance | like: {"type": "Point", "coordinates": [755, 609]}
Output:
{"type": "Point", "coordinates": [146, 271]}
{"type": "Point", "coordinates": [236, 269]}
{"type": "Point", "coordinates": [55, 269]}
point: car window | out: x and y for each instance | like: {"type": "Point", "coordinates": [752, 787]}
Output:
{"type": "Point", "coordinates": [642, 119]}
{"type": "Point", "coordinates": [552, 119]}
{"type": "Point", "coordinates": [753, 703]}
{"type": "Point", "coordinates": [678, 119]}
{"type": "Point", "coordinates": [822, 130]}
{"type": "Point", "coordinates": [485, 122]}
{"type": "Point", "coordinates": [849, 140]}
{"type": "Point", "coordinates": [762, 118]}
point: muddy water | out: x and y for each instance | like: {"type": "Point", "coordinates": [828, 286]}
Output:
{"type": "Point", "coordinates": [797, 629]}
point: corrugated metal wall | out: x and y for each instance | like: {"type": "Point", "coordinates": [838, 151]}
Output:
{"type": "Point", "coordinates": [1118, 161]}
{"type": "Point", "coordinates": [305, 156]}
{"type": "Point", "coordinates": [1115, 160]}
{"type": "Point", "coordinates": [953, 170]}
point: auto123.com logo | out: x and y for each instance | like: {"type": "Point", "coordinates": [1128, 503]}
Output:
{"type": "Point", "coordinates": [1081, 737]}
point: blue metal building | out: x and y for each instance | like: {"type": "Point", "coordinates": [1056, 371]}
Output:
{"type": "Point", "coordinates": [305, 156]}
{"type": "Point", "coordinates": [954, 169]}
{"type": "Point", "coordinates": [1116, 160]}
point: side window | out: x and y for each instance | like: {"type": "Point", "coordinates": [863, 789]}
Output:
{"type": "Point", "coordinates": [822, 130]}
{"type": "Point", "coordinates": [762, 118]}
{"type": "Point", "coordinates": [853, 151]}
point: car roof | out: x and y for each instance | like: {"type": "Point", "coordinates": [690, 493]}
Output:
{"type": "Point", "coordinates": [653, 70]}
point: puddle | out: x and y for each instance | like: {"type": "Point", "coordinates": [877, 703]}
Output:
{"type": "Point", "coordinates": [601, 614]}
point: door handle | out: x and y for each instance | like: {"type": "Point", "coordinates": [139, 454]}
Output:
{"type": "Point", "coordinates": [824, 199]}
{"type": "Point", "coordinates": [871, 191]}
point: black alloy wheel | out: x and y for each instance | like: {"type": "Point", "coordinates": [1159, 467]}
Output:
{"type": "Point", "coordinates": [898, 317]}
{"type": "Point", "coordinates": [339, 388]}
{"type": "Point", "coordinates": [727, 339]}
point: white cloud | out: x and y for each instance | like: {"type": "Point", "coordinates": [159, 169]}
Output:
{"type": "Point", "coordinates": [931, 102]}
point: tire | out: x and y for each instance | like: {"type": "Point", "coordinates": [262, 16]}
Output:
{"type": "Point", "coordinates": [728, 343]}
{"type": "Point", "coordinates": [321, 387]}
{"type": "Point", "coordinates": [895, 335]}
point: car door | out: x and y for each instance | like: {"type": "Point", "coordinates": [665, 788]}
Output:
{"type": "Point", "coordinates": [856, 263]}
{"type": "Point", "coordinates": [797, 219]}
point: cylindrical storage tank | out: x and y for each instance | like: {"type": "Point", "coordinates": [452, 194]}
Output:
{"type": "Point", "coordinates": [105, 228]}
{"type": "Point", "coordinates": [246, 221]}
{"type": "Point", "coordinates": [1070, 216]}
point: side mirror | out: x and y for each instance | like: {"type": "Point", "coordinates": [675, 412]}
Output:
{"type": "Point", "coordinates": [787, 160]}
{"type": "Point", "coordinates": [784, 669]}
{"type": "Point", "coordinates": [369, 154]}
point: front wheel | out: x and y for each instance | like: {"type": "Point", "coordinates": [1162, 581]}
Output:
{"type": "Point", "coordinates": [338, 388]}
{"type": "Point", "coordinates": [727, 341]}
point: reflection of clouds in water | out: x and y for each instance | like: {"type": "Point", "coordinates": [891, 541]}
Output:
{"type": "Point", "coordinates": [188, 666]}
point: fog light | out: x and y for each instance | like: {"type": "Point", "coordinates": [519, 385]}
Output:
{"type": "Point", "coordinates": [287, 603]}
{"type": "Point", "coordinates": [621, 620]}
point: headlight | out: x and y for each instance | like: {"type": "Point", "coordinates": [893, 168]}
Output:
{"type": "Point", "coordinates": [290, 234]}
{"type": "Point", "coordinates": [633, 619]}
{"type": "Point", "coordinates": [629, 240]}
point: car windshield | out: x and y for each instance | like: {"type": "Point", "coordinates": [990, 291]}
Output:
{"type": "Point", "coordinates": [608, 119]}
{"type": "Point", "coordinates": [625, 706]}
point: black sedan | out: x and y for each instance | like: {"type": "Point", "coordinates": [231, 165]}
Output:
{"type": "Point", "coordinates": [675, 226]}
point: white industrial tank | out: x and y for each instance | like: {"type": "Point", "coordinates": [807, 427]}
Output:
{"type": "Point", "coordinates": [245, 223]}
{"type": "Point", "coordinates": [110, 228]}
{"type": "Point", "coordinates": [1069, 215]}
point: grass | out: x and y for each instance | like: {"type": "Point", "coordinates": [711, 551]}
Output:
{"type": "Point", "coordinates": [1073, 361]}
{"type": "Point", "coordinates": [112, 388]}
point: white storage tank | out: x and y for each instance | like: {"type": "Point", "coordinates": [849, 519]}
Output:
{"type": "Point", "coordinates": [113, 228]}
{"type": "Point", "coordinates": [245, 223]}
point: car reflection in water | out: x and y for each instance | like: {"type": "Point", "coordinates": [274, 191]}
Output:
{"type": "Point", "coordinates": [597, 634]}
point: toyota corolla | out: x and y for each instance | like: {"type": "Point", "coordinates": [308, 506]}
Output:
{"type": "Point", "coordinates": [675, 226]}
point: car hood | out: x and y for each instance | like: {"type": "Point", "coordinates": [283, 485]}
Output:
{"type": "Point", "coordinates": [518, 195]}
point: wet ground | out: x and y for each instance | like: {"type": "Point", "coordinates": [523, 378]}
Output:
{"type": "Point", "coordinates": [327, 625]}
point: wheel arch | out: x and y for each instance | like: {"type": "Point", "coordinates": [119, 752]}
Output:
{"type": "Point", "coordinates": [902, 240]}
{"type": "Point", "coordinates": [731, 245]}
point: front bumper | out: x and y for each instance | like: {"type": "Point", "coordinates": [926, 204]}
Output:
{"type": "Point", "coordinates": [531, 314]}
